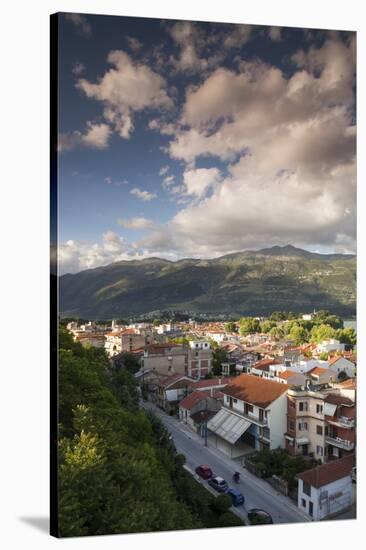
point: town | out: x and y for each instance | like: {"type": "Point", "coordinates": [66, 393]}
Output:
{"type": "Point", "coordinates": [265, 405]}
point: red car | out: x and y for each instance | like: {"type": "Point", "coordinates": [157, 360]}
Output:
{"type": "Point", "coordinates": [204, 471]}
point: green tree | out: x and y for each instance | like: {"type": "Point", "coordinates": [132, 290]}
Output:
{"type": "Point", "coordinates": [230, 327]}
{"type": "Point", "coordinates": [277, 332]}
{"type": "Point", "coordinates": [219, 356]}
{"type": "Point", "coordinates": [347, 336]}
{"type": "Point", "coordinates": [268, 325]}
{"type": "Point", "coordinates": [322, 332]}
{"type": "Point", "coordinates": [298, 334]}
{"type": "Point", "coordinates": [249, 325]}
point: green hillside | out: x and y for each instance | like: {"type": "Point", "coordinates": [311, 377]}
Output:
{"type": "Point", "coordinates": [244, 283]}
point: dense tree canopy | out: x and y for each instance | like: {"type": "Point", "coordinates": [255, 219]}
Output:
{"type": "Point", "coordinates": [118, 469]}
{"type": "Point", "coordinates": [249, 325]}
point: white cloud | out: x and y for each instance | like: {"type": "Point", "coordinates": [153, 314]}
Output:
{"type": "Point", "coordinates": [126, 88]}
{"type": "Point", "coordinates": [134, 44]}
{"type": "Point", "coordinates": [78, 68]}
{"type": "Point", "coordinates": [96, 136]}
{"type": "Point", "coordinates": [168, 181]}
{"type": "Point", "coordinates": [291, 145]}
{"type": "Point", "coordinates": [189, 38]}
{"type": "Point", "coordinates": [80, 22]}
{"type": "Point", "coordinates": [143, 195]}
{"type": "Point", "coordinates": [274, 34]}
{"type": "Point", "coordinates": [135, 223]}
{"type": "Point", "coordinates": [164, 170]}
{"type": "Point", "coordinates": [74, 256]}
{"type": "Point", "coordinates": [237, 37]}
{"type": "Point", "coordinates": [198, 181]}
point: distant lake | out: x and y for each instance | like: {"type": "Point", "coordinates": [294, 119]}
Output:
{"type": "Point", "coordinates": [350, 324]}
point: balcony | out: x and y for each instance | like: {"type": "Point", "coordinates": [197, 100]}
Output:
{"type": "Point", "coordinates": [342, 421]}
{"type": "Point", "coordinates": [265, 434]}
{"type": "Point", "coordinates": [341, 443]}
{"type": "Point", "coordinates": [262, 422]}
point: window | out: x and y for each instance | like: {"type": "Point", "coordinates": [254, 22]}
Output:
{"type": "Point", "coordinates": [319, 430]}
{"type": "Point", "coordinates": [326, 430]}
{"type": "Point", "coordinates": [291, 425]}
{"type": "Point", "coordinates": [319, 450]}
{"type": "Point", "coordinates": [303, 503]}
{"type": "Point", "coordinates": [311, 507]}
{"type": "Point", "coordinates": [292, 404]}
{"type": "Point", "coordinates": [306, 489]}
{"type": "Point", "coordinates": [319, 409]}
{"type": "Point", "coordinates": [303, 426]}
{"type": "Point", "coordinates": [303, 406]}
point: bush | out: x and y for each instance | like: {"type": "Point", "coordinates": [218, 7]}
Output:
{"type": "Point", "coordinates": [222, 503]}
{"type": "Point", "coordinates": [228, 519]}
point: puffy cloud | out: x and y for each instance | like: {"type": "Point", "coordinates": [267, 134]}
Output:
{"type": "Point", "coordinates": [135, 223]}
{"type": "Point", "coordinates": [188, 37]}
{"type": "Point", "coordinates": [80, 22]}
{"type": "Point", "coordinates": [134, 44]}
{"type": "Point", "coordinates": [126, 88]}
{"type": "Point", "coordinates": [198, 181]}
{"type": "Point", "coordinates": [96, 136]}
{"type": "Point", "coordinates": [143, 195]}
{"type": "Point", "coordinates": [237, 37]}
{"type": "Point", "coordinates": [291, 144]}
{"type": "Point", "coordinates": [74, 256]}
{"type": "Point", "coordinates": [274, 33]}
{"type": "Point", "coordinates": [163, 170]}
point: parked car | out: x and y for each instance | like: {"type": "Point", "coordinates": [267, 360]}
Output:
{"type": "Point", "coordinates": [204, 471]}
{"type": "Point", "coordinates": [236, 496]}
{"type": "Point", "coordinates": [219, 484]}
{"type": "Point", "coordinates": [257, 516]}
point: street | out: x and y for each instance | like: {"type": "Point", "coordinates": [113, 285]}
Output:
{"type": "Point", "coordinates": [257, 492]}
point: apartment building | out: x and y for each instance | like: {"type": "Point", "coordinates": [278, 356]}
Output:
{"type": "Point", "coordinates": [320, 423]}
{"type": "Point", "coordinates": [253, 416]}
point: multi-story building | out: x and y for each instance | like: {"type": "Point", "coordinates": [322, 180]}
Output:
{"type": "Point", "coordinates": [126, 340]}
{"type": "Point", "coordinates": [340, 417]}
{"type": "Point", "coordinates": [167, 359]}
{"type": "Point", "coordinates": [199, 358]}
{"type": "Point", "coordinates": [320, 423]}
{"type": "Point", "coordinates": [253, 415]}
{"type": "Point", "coordinates": [305, 423]}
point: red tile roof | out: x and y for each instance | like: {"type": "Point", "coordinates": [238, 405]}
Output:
{"type": "Point", "coordinates": [318, 371]}
{"type": "Point", "coordinates": [327, 473]}
{"type": "Point", "coordinates": [337, 399]}
{"type": "Point", "coordinates": [285, 375]}
{"type": "Point", "coordinates": [192, 399]}
{"type": "Point", "coordinates": [254, 390]}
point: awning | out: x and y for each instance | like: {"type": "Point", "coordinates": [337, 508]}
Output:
{"type": "Point", "coordinates": [302, 440]}
{"type": "Point", "coordinates": [227, 425]}
{"type": "Point", "coordinates": [329, 409]}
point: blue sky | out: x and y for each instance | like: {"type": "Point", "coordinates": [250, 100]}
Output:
{"type": "Point", "coordinates": [198, 139]}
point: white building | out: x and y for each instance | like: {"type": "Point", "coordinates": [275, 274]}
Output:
{"type": "Point", "coordinates": [330, 344]}
{"type": "Point", "coordinates": [253, 415]}
{"type": "Point", "coordinates": [327, 489]}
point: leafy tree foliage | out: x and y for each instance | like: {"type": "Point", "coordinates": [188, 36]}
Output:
{"type": "Point", "coordinates": [347, 336]}
{"type": "Point", "coordinates": [249, 325]}
{"type": "Point", "coordinates": [322, 332]}
{"type": "Point", "coordinates": [117, 465]}
{"type": "Point", "coordinates": [219, 356]}
{"type": "Point", "coordinates": [230, 327]}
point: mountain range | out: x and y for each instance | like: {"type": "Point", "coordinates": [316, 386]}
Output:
{"type": "Point", "coordinates": [244, 283]}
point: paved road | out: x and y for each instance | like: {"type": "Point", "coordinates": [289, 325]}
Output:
{"type": "Point", "coordinates": [257, 493]}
